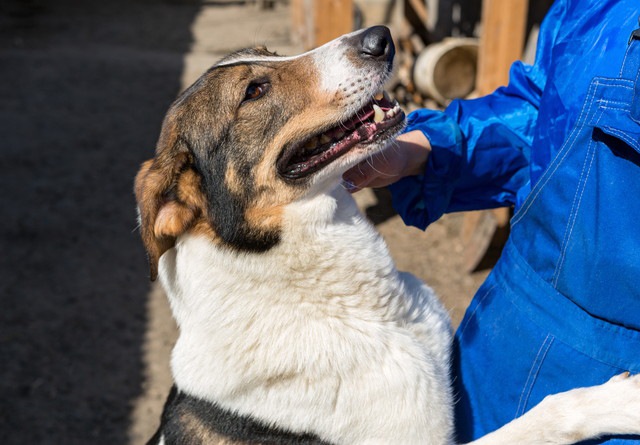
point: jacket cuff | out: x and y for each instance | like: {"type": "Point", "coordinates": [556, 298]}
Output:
{"type": "Point", "coordinates": [422, 199]}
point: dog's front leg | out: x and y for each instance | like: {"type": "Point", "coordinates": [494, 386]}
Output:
{"type": "Point", "coordinates": [576, 415]}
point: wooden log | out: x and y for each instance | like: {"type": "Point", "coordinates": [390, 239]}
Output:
{"type": "Point", "coordinates": [447, 70]}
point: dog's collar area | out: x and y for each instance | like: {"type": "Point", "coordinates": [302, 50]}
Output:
{"type": "Point", "coordinates": [318, 151]}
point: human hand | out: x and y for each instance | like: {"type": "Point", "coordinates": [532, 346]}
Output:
{"type": "Point", "coordinates": [406, 156]}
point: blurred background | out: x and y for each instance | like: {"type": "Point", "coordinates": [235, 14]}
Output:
{"type": "Point", "coordinates": [85, 338]}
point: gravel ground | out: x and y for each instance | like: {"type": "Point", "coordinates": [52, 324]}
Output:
{"type": "Point", "coordinates": [84, 337]}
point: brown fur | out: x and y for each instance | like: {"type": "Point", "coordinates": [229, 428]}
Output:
{"type": "Point", "coordinates": [168, 197]}
{"type": "Point", "coordinates": [215, 166]}
{"type": "Point", "coordinates": [198, 432]}
{"type": "Point", "coordinates": [210, 167]}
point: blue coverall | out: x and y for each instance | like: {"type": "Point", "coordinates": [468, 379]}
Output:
{"type": "Point", "coordinates": [561, 143]}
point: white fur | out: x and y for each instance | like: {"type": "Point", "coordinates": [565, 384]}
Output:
{"type": "Point", "coordinates": [322, 334]}
{"type": "Point", "coordinates": [322, 330]}
{"type": "Point", "coordinates": [244, 58]}
{"type": "Point", "coordinates": [335, 69]}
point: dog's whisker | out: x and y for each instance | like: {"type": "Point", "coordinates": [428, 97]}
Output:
{"type": "Point", "coordinates": [380, 172]}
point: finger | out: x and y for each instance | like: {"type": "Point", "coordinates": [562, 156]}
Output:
{"type": "Point", "coordinates": [360, 176]}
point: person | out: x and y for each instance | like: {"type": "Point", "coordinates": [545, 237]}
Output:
{"type": "Point", "coordinates": [560, 143]}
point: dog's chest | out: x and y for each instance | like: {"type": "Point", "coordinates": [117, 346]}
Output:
{"type": "Point", "coordinates": [314, 333]}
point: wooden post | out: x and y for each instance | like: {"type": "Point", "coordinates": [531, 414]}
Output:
{"type": "Point", "coordinates": [501, 43]}
{"type": "Point", "coordinates": [332, 19]}
{"type": "Point", "coordinates": [502, 39]}
{"type": "Point", "coordinates": [315, 22]}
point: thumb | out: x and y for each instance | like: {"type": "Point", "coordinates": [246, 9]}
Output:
{"type": "Point", "coordinates": [359, 177]}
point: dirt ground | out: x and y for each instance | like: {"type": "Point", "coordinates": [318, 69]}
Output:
{"type": "Point", "coordinates": [84, 337]}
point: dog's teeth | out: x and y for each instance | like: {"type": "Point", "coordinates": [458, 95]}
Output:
{"type": "Point", "coordinates": [378, 114]}
{"type": "Point", "coordinates": [391, 113]}
{"type": "Point", "coordinates": [340, 134]}
{"type": "Point", "coordinates": [324, 139]}
{"type": "Point", "coordinates": [379, 95]}
{"type": "Point", "coordinates": [311, 144]}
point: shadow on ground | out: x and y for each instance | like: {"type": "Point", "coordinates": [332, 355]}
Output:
{"type": "Point", "coordinates": [83, 88]}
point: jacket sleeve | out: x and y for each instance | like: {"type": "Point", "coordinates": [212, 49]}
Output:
{"type": "Point", "coordinates": [480, 147]}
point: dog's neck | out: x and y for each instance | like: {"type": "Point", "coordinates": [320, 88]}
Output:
{"type": "Point", "coordinates": [328, 250]}
{"type": "Point", "coordinates": [316, 311]}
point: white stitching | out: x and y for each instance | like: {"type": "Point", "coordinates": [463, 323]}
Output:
{"type": "Point", "coordinates": [533, 195]}
{"type": "Point", "coordinates": [623, 136]}
{"type": "Point", "coordinates": [606, 101]}
{"type": "Point", "coordinates": [575, 208]}
{"type": "Point", "coordinates": [475, 309]}
{"type": "Point", "coordinates": [618, 132]}
{"type": "Point", "coordinates": [556, 161]}
{"type": "Point", "coordinates": [532, 377]}
{"type": "Point", "coordinates": [624, 108]}
{"type": "Point", "coordinates": [636, 93]}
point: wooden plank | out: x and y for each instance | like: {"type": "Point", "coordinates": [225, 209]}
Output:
{"type": "Point", "coordinates": [501, 43]}
{"type": "Point", "coordinates": [415, 13]}
{"type": "Point", "coordinates": [302, 23]}
{"type": "Point", "coordinates": [315, 22]}
{"type": "Point", "coordinates": [332, 18]}
{"type": "Point", "coordinates": [420, 10]}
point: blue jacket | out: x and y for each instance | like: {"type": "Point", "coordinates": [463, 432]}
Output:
{"type": "Point", "coordinates": [561, 143]}
{"type": "Point", "coordinates": [490, 151]}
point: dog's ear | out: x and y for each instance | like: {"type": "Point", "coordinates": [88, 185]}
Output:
{"type": "Point", "coordinates": [167, 193]}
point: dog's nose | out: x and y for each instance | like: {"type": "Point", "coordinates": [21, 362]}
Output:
{"type": "Point", "coordinates": [377, 43]}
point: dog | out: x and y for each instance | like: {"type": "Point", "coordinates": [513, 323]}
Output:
{"type": "Point", "coordinates": [295, 326]}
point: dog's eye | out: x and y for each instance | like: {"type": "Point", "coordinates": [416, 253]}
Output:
{"type": "Point", "coordinates": [255, 91]}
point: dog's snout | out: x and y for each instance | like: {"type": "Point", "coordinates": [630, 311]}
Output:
{"type": "Point", "coordinates": [377, 43]}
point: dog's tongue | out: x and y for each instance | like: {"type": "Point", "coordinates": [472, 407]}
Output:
{"type": "Point", "coordinates": [322, 149]}
{"type": "Point", "coordinates": [362, 133]}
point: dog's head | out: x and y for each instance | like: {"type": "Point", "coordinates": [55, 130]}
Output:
{"type": "Point", "coordinates": [259, 131]}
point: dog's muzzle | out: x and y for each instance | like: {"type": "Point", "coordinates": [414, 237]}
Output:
{"type": "Point", "coordinates": [374, 119]}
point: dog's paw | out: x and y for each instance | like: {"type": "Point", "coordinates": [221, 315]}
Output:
{"type": "Point", "coordinates": [618, 378]}
{"type": "Point", "coordinates": [626, 388]}
{"type": "Point", "coordinates": [613, 407]}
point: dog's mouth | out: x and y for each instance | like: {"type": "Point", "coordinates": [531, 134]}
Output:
{"type": "Point", "coordinates": [371, 123]}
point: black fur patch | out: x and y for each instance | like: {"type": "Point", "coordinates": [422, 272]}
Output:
{"type": "Point", "coordinates": [227, 210]}
{"type": "Point", "coordinates": [218, 133]}
{"type": "Point", "coordinates": [187, 420]}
